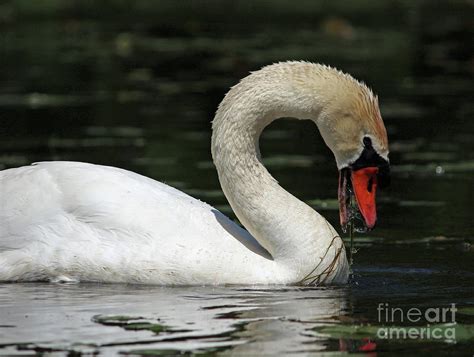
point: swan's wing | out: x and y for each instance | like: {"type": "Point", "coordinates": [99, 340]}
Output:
{"type": "Point", "coordinates": [97, 195]}
{"type": "Point", "coordinates": [70, 212]}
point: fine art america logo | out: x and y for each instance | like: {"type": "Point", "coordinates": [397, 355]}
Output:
{"type": "Point", "coordinates": [434, 323]}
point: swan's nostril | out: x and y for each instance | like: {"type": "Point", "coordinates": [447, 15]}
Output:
{"type": "Point", "coordinates": [370, 184]}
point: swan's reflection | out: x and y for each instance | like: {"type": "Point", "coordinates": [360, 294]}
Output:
{"type": "Point", "coordinates": [231, 319]}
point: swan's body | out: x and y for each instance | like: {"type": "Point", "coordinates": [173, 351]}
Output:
{"type": "Point", "coordinates": [90, 222]}
{"type": "Point", "coordinates": [76, 221]}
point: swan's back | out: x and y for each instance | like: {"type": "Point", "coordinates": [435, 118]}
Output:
{"type": "Point", "coordinates": [91, 222]}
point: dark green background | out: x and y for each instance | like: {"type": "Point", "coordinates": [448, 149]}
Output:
{"type": "Point", "coordinates": [135, 84]}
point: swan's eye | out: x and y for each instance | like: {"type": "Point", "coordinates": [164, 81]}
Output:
{"type": "Point", "coordinates": [367, 142]}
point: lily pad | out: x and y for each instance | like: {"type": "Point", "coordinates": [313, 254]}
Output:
{"type": "Point", "coordinates": [114, 320]}
{"type": "Point", "coordinates": [156, 352]}
{"type": "Point", "coordinates": [349, 331]}
{"type": "Point", "coordinates": [130, 323]}
{"type": "Point", "coordinates": [139, 326]}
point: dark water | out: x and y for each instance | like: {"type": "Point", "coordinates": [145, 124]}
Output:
{"type": "Point", "coordinates": [136, 86]}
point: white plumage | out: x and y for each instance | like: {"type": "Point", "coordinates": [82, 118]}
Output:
{"type": "Point", "coordinates": [98, 223]}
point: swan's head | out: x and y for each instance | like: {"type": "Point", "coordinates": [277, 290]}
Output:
{"type": "Point", "coordinates": [344, 109]}
{"type": "Point", "coordinates": [352, 127]}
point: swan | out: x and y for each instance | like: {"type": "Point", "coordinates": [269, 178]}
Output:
{"type": "Point", "coordinates": [72, 221]}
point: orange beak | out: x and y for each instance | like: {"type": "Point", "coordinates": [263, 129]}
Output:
{"type": "Point", "coordinates": [364, 184]}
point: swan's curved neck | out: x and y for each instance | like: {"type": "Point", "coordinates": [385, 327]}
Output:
{"type": "Point", "coordinates": [290, 230]}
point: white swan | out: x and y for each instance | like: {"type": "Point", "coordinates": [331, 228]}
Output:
{"type": "Point", "coordinates": [70, 221]}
